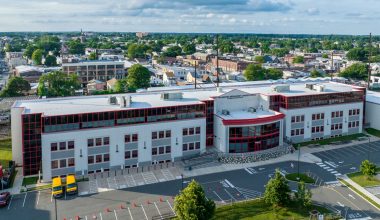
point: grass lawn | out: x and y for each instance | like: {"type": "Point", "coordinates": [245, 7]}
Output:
{"type": "Point", "coordinates": [5, 151]}
{"type": "Point", "coordinates": [373, 132]}
{"type": "Point", "coordinates": [362, 180]}
{"type": "Point", "coordinates": [29, 180]}
{"type": "Point", "coordinates": [303, 177]}
{"type": "Point", "coordinates": [259, 210]}
{"type": "Point", "coordinates": [331, 140]}
{"type": "Point", "coordinates": [361, 194]}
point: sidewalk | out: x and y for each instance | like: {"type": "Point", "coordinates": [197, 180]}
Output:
{"type": "Point", "coordinates": [305, 156]}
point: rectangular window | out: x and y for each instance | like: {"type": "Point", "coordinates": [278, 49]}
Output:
{"type": "Point", "coordinates": [191, 146]}
{"type": "Point", "coordinates": [197, 145]}
{"type": "Point", "coordinates": [135, 137]}
{"type": "Point", "coordinates": [293, 119]}
{"type": "Point", "coordinates": [134, 154]}
{"type": "Point", "coordinates": [62, 163]}
{"type": "Point", "coordinates": [168, 149]}
{"type": "Point", "coordinates": [98, 141]}
{"type": "Point", "coordinates": [184, 147]}
{"type": "Point", "coordinates": [154, 151]}
{"type": "Point", "coordinates": [127, 138]}
{"type": "Point", "coordinates": [154, 135]}
{"type": "Point", "coordinates": [168, 133]}
{"type": "Point", "coordinates": [54, 146]}
{"type": "Point", "coordinates": [98, 158]}
{"type": "Point", "coordinates": [185, 132]}
{"type": "Point", "coordinates": [161, 134]}
{"type": "Point", "coordinates": [191, 131]}
{"type": "Point", "coordinates": [54, 164]}
{"type": "Point", "coordinates": [70, 145]}
{"type": "Point", "coordinates": [292, 133]}
{"type": "Point", "coordinates": [62, 145]}
{"type": "Point", "coordinates": [197, 130]}
{"type": "Point", "coordinates": [106, 140]}
{"type": "Point", "coordinates": [127, 155]}
{"type": "Point", "coordinates": [71, 162]}
{"type": "Point", "coordinates": [106, 157]}
{"type": "Point", "coordinates": [161, 150]}
{"type": "Point", "coordinates": [90, 142]}
{"type": "Point", "coordinates": [90, 159]}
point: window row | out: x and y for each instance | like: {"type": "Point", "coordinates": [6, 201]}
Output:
{"type": "Point", "coordinates": [338, 126]}
{"type": "Point", "coordinates": [63, 163]}
{"type": "Point", "coordinates": [191, 131]}
{"type": "Point", "coordinates": [298, 118]}
{"type": "Point", "coordinates": [319, 116]}
{"type": "Point", "coordinates": [64, 145]}
{"type": "Point", "coordinates": [317, 129]}
{"type": "Point", "coordinates": [161, 134]}
{"type": "Point", "coordinates": [131, 138]}
{"type": "Point", "coordinates": [99, 158]}
{"type": "Point", "coordinates": [337, 114]}
{"type": "Point", "coordinates": [191, 146]}
{"type": "Point", "coordinates": [131, 154]}
{"type": "Point", "coordinates": [98, 141]}
{"type": "Point", "coordinates": [353, 124]}
{"type": "Point", "coordinates": [297, 132]}
{"type": "Point", "coordinates": [354, 112]}
{"type": "Point", "coordinates": [161, 150]}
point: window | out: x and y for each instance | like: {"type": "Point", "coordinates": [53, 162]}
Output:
{"type": "Point", "coordinates": [70, 145]}
{"type": "Point", "coordinates": [134, 153]}
{"type": "Point", "coordinates": [154, 135]}
{"type": "Point", "coordinates": [71, 162]}
{"type": "Point", "coordinates": [197, 145]}
{"type": "Point", "coordinates": [154, 151]}
{"type": "Point", "coordinates": [197, 130]}
{"type": "Point", "coordinates": [54, 146]}
{"type": "Point", "coordinates": [191, 146]}
{"type": "Point", "coordinates": [319, 116]}
{"type": "Point", "coordinates": [161, 150]}
{"type": "Point", "coordinates": [54, 164]}
{"type": "Point", "coordinates": [98, 141]}
{"type": "Point", "coordinates": [135, 137]}
{"type": "Point", "coordinates": [106, 140]}
{"type": "Point", "coordinates": [191, 131]}
{"type": "Point", "coordinates": [185, 132]}
{"type": "Point", "coordinates": [62, 145]}
{"type": "Point", "coordinates": [317, 129]}
{"type": "Point", "coordinates": [127, 138]}
{"type": "Point", "coordinates": [298, 118]}
{"type": "Point", "coordinates": [168, 149]}
{"type": "Point", "coordinates": [161, 134]}
{"type": "Point", "coordinates": [184, 147]}
{"type": "Point", "coordinates": [62, 163]}
{"type": "Point", "coordinates": [106, 157]}
{"type": "Point", "coordinates": [127, 155]}
{"type": "Point", "coordinates": [90, 142]}
{"type": "Point", "coordinates": [297, 132]}
{"type": "Point", "coordinates": [168, 133]}
{"type": "Point", "coordinates": [98, 158]}
{"type": "Point", "coordinates": [90, 159]}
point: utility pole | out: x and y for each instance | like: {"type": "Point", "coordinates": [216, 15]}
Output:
{"type": "Point", "coordinates": [332, 64]}
{"type": "Point", "coordinates": [195, 74]}
{"type": "Point", "coordinates": [217, 61]}
{"type": "Point", "coordinates": [369, 60]}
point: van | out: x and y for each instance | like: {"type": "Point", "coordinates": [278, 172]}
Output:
{"type": "Point", "coordinates": [71, 184]}
{"type": "Point", "coordinates": [56, 187]}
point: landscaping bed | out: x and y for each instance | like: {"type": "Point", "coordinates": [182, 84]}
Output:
{"type": "Point", "coordinates": [363, 180]}
{"type": "Point", "coordinates": [336, 140]}
{"type": "Point", "coordinates": [302, 178]}
{"type": "Point", "coordinates": [373, 132]}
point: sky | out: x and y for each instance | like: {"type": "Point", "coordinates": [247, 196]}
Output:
{"type": "Point", "coordinates": [358, 17]}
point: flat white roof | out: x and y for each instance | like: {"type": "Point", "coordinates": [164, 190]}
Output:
{"type": "Point", "coordinates": [151, 99]}
{"type": "Point", "coordinates": [373, 97]}
{"type": "Point", "coordinates": [238, 115]}
{"type": "Point", "coordinates": [95, 62]}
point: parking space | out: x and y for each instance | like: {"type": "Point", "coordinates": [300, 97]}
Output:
{"type": "Point", "coordinates": [120, 179]}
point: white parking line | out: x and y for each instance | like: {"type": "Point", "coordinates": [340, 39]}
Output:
{"type": "Point", "coordinates": [133, 179]}
{"type": "Point", "coordinates": [23, 204]}
{"type": "Point", "coordinates": [114, 211]}
{"type": "Point", "coordinates": [86, 217]}
{"type": "Point", "coordinates": [170, 206]}
{"type": "Point", "coordinates": [130, 214]}
{"type": "Point", "coordinates": [230, 195]}
{"type": "Point", "coordinates": [10, 202]}
{"type": "Point", "coordinates": [51, 198]}
{"type": "Point", "coordinates": [144, 212]}
{"type": "Point", "coordinates": [218, 196]}
{"type": "Point", "coordinates": [101, 217]}
{"type": "Point", "coordinates": [157, 208]}
{"type": "Point", "coordinates": [38, 197]}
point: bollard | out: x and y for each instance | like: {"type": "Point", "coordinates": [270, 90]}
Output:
{"type": "Point", "coordinates": [154, 166]}
{"type": "Point", "coordinates": [148, 202]}
{"type": "Point", "coordinates": [148, 168]}
{"type": "Point", "coordinates": [108, 173]}
{"type": "Point", "coordinates": [121, 206]}
{"type": "Point", "coordinates": [128, 170]}
{"type": "Point", "coordinates": [108, 210]}
{"type": "Point", "coordinates": [115, 172]}
{"type": "Point", "coordinates": [134, 205]}
{"type": "Point", "coordinates": [167, 165]}
{"type": "Point", "coordinates": [161, 200]}
{"type": "Point", "coordinates": [142, 169]}
{"type": "Point", "coordinates": [77, 217]}
{"type": "Point", "coordinates": [161, 165]}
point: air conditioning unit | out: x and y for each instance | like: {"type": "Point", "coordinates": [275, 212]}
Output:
{"type": "Point", "coordinates": [281, 88]}
{"type": "Point", "coordinates": [171, 95]}
{"type": "Point", "coordinates": [252, 110]}
{"type": "Point", "coordinates": [225, 112]}
{"type": "Point", "coordinates": [309, 86]}
{"type": "Point", "coordinates": [112, 100]}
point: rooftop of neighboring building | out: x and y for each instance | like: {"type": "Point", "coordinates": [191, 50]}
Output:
{"type": "Point", "coordinates": [93, 62]}
{"type": "Point", "coordinates": [373, 97]}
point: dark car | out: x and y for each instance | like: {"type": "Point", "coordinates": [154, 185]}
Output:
{"type": "Point", "coordinates": [5, 197]}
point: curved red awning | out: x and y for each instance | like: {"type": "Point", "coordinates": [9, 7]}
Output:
{"type": "Point", "coordinates": [253, 120]}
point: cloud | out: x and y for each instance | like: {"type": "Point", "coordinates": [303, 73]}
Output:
{"type": "Point", "coordinates": [312, 11]}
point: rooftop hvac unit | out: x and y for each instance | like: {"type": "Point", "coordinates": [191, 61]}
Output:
{"type": "Point", "coordinates": [252, 110]}
{"type": "Point", "coordinates": [171, 95]}
{"type": "Point", "coordinates": [281, 88]}
{"type": "Point", "coordinates": [309, 86]}
{"type": "Point", "coordinates": [112, 100]}
{"type": "Point", "coordinates": [225, 112]}
{"type": "Point", "coordinates": [319, 88]}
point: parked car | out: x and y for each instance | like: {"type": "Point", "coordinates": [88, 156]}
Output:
{"type": "Point", "coordinates": [5, 197]}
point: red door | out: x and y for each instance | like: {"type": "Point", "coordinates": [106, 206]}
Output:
{"type": "Point", "coordinates": [257, 145]}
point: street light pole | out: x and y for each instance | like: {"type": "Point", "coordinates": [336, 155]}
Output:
{"type": "Point", "coordinates": [182, 180]}
{"type": "Point", "coordinates": [299, 155]}
{"type": "Point", "coordinates": [55, 205]}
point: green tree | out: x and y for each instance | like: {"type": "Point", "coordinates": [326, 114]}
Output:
{"type": "Point", "coordinates": [29, 51]}
{"type": "Point", "coordinates": [325, 56]}
{"type": "Point", "coordinates": [277, 191]}
{"type": "Point", "coordinates": [57, 84]}
{"type": "Point", "coordinates": [189, 49]}
{"type": "Point", "coordinates": [137, 51]}
{"type": "Point", "coordinates": [254, 72]}
{"type": "Point", "coordinates": [121, 86]}
{"type": "Point", "coordinates": [303, 195]}
{"type": "Point", "coordinates": [8, 47]}
{"type": "Point", "coordinates": [173, 51]}
{"type": "Point", "coordinates": [358, 54]}
{"type": "Point", "coordinates": [273, 74]}
{"type": "Point", "coordinates": [76, 47]}
{"type": "Point", "coordinates": [138, 77]}
{"type": "Point", "coordinates": [37, 56]}
{"type": "Point", "coordinates": [259, 59]}
{"type": "Point", "coordinates": [298, 59]}
{"type": "Point", "coordinates": [314, 74]}
{"type": "Point", "coordinates": [92, 56]}
{"type": "Point", "coordinates": [192, 204]}
{"type": "Point", "coordinates": [356, 71]}
{"type": "Point", "coordinates": [16, 87]}
{"type": "Point", "coordinates": [50, 60]}
{"type": "Point", "coordinates": [226, 46]}
{"type": "Point", "coordinates": [368, 168]}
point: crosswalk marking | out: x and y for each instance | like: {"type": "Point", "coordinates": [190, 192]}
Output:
{"type": "Point", "coordinates": [167, 174]}
{"type": "Point", "coordinates": [247, 193]}
{"type": "Point", "coordinates": [149, 177]}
